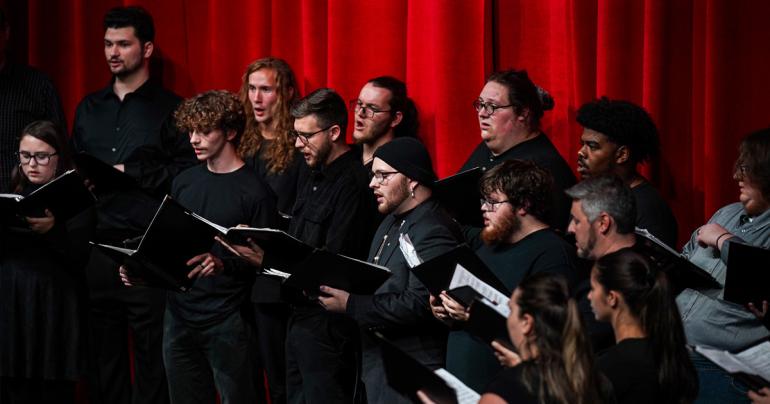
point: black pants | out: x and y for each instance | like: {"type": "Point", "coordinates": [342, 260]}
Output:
{"type": "Point", "coordinates": [271, 320]}
{"type": "Point", "coordinates": [14, 390]}
{"type": "Point", "coordinates": [113, 311]}
{"type": "Point", "coordinates": [204, 360]}
{"type": "Point", "coordinates": [322, 358]}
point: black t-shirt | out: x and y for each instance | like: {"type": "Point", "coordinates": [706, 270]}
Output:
{"type": "Point", "coordinates": [542, 152]}
{"type": "Point", "coordinates": [654, 214]}
{"type": "Point", "coordinates": [230, 199]}
{"type": "Point", "coordinates": [284, 183]}
{"type": "Point", "coordinates": [509, 385]}
{"type": "Point", "coordinates": [631, 369]}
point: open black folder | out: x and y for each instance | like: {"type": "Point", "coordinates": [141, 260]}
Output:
{"type": "Point", "coordinates": [681, 272]}
{"type": "Point", "coordinates": [750, 365]}
{"type": "Point", "coordinates": [463, 275]}
{"type": "Point", "coordinates": [748, 275]}
{"type": "Point", "coordinates": [488, 322]}
{"type": "Point", "coordinates": [104, 177]}
{"type": "Point", "coordinates": [407, 375]}
{"type": "Point", "coordinates": [459, 195]}
{"type": "Point", "coordinates": [174, 236]}
{"type": "Point", "coordinates": [322, 267]}
{"type": "Point", "coordinates": [65, 196]}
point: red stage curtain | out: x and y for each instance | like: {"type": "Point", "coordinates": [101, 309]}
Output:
{"type": "Point", "coordinates": [698, 66]}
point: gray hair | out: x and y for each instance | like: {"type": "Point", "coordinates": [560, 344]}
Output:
{"type": "Point", "coordinates": [606, 194]}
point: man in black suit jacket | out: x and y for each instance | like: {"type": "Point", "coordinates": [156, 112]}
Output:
{"type": "Point", "coordinates": [399, 308]}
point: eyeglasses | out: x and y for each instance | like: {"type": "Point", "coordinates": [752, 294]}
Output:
{"type": "Point", "coordinates": [488, 108]}
{"type": "Point", "coordinates": [369, 111]}
{"type": "Point", "coordinates": [40, 158]}
{"type": "Point", "coordinates": [492, 204]}
{"type": "Point", "coordinates": [382, 176]}
{"type": "Point", "coordinates": [305, 137]}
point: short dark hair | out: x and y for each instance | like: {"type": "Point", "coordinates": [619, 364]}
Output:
{"type": "Point", "coordinates": [326, 105]}
{"type": "Point", "coordinates": [523, 94]}
{"type": "Point", "coordinates": [132, 16]}
{"type": "Point", "coordinates": [754, 153]}
{"type": "Point", "coordinates": [625, 124]}
{"type": "Point", "coordinates": [215, 109]}
{"type": "Point", "coordinates": [606, 193]}
{"type": "Point", "coordinates": [399, 101]}
{"type": "Point", "coordinates": [524, 184]}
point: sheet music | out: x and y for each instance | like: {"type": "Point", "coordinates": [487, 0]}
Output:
{"type": "Point", "coordinates": [275, 272]}
{"type": "Point", "coordinates": [465, 395]}
{"type": "Point", "coordinates": [408, 250]}
{"type": "Point", "coordinates": [463, 277]}
{"type": "Point", "coordinates": [753, 361]}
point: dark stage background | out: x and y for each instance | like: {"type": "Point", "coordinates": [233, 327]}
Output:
{"type": "Point", "coordinates": [701, 67]}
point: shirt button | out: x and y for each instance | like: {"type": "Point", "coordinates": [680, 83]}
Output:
{"type": "Point", "coordinates": [113, 149]}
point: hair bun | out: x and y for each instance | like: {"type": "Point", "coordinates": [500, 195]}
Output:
{"type": "Point", "coordinates": [545, 98]}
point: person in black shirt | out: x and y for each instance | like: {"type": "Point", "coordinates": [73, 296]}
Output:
{"type": "Point", "coordinates": [382, 113]}
{"type": "Point", "coordinates": [128, 125]}
{"type": "Point", "coordinates": [557, 364]}
{"type": "Point", "coordinates": [650, 362]}
{"type": "Point", "coordinates": [618, 136]}
{"type": "Point", "coordinates": [207, 340]}
{"type": "Point", "coordinates": [27, 96]}
{"type": "Point", "coordinates": [334, 211]}
{"type": "Point", "coordinates": [268, 90]}
{"type": "Point", "coordinates": [42, 293]}
{"type": "Point", "coordinates": [602, 222]}
{"type": "Point", "coordinates": [515, 243]}
{"type": "Point", "coordinates": [403, 176]}
{"type": "Point", "coordinates": [509, 109]}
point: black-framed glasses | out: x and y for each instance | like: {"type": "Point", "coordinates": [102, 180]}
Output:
{"type": "Point", "coordinates": [41, 158]}
{"type": "Point", "coordinates": [488, 107]}
{"type": "Point", "coordinates": [491, 204]}
{"type": "Point", "coordinates": [305, 137]}
{"type": "Point", "coordinates": [369, 111]}
{"type": "Point", "coordinates": [382, 176]}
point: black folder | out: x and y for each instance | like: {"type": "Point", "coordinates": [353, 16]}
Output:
{"type": "Point", "coordinates": [322, 267]}
{"type": "Point", "coordinates": [681, 272]}
{"type": "Point", "coordinates": [105, 178]}
{"type": "Point", "coordinates": [407, 375]}
{"type": "Point", "coordinates": [65, 196]}
{"type": "Point", "coordinates": [174, 236]}
{"type": "Point", "coordinates": [459, 195]}
{"type": "Point", "coordinates": [436, 274]}
{"type": "Point", "coordinates": [748, 274]}
{"type": "Point", "coordinates": [487, 325]}
{"type": "Point", "coordinates": [282, 251]}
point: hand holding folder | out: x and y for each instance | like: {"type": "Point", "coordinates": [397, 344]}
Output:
{"type": "Point", "coordinates": [65, 196]}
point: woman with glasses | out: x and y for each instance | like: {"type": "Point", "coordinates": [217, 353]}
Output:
{"type": "Point", "coordinates": [42, 284]}
{"type": "Point", "coordinates": [649, 362]}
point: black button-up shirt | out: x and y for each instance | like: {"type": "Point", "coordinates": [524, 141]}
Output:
{"type": "Point", "coordinates": [334, 208]}
{"type": "Point", "coordinates": [138, 132]}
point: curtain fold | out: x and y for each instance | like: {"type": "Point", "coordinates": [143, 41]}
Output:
{"type": "Point", "coordinates": [699, 67]}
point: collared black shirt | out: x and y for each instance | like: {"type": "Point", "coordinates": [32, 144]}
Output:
{"type": "Point", "coordinates": [334, 208]}
{"type": "Point", "coordinates": [138, 132]}
{"type": "Point", "coordinates": [542, 152]}
{"type": "Point", "coordinates": [26, 95]}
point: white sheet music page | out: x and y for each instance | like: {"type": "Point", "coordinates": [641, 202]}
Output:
{"type": "Point", "coordinates": [463, 277]}
{"type": "Point", "coordinates": [465, 395]}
